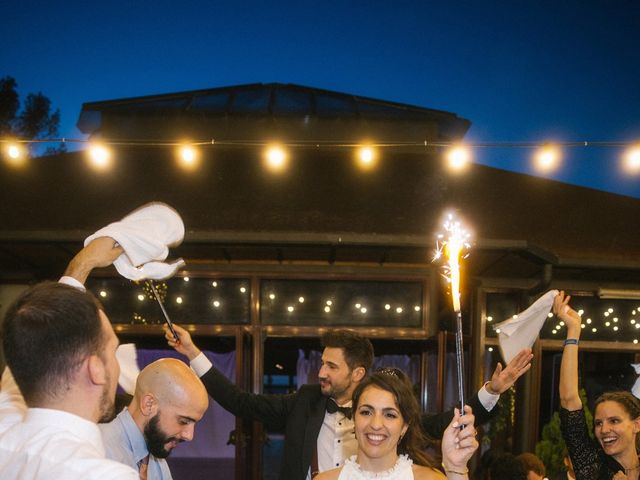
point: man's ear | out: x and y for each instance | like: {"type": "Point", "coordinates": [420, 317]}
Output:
{"type": "Point", "coordinates": [148, 405]}
{"type": "Point", "coordinates": [358, 374]}
{"type": "Point", "coordinates": [96, 370]}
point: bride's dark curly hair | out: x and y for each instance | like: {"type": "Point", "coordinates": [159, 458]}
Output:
{"type": "Point", "coordinates": [397, 383]}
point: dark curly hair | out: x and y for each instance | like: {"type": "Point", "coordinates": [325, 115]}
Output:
{"type": "Point", "coordinates": [397, 383]}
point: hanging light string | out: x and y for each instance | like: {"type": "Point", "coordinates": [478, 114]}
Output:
{"type": "Point", "coordinates": [321, 143]}
{"type": "Point", "coordinates": [458, 155]}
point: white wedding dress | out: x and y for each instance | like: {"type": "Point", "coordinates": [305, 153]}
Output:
{"type": "Point", "coordinates": [402, 470]}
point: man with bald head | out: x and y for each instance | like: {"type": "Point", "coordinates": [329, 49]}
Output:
{"type": "Point", "coordinates": [169, 399]}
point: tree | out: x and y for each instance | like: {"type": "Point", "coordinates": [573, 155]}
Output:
{"type": "Point", "coordinates": [35, 121]}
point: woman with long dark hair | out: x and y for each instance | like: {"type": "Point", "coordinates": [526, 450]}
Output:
{"type": "Point", "coordinates": [616, 418]}
{"type": "Point", "coordinates": [390, 438]}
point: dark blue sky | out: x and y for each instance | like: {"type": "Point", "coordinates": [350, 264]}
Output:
{"type": "Point", "coordinates": [520, 71]}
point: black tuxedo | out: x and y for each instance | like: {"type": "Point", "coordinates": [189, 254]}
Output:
{"type": "Point", "coordinates": [300, 415]}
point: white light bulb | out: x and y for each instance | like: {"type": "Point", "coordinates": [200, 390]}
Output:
{"type": "Point", "coordinates": [458, 158]}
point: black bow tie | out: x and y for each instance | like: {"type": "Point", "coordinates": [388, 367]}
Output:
{"type": "Point", "coordinates": [332, 407]}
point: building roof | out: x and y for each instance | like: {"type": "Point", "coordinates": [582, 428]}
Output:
{"type": "Point", "coordinates": [256, 111]}
{"type": "Point", "coordinates": [322, 208]}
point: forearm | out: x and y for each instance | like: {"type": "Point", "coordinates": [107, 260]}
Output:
{"type": "Point", "coordinates": [78, 269]}
{"type": "Point", "coordinates": [569, 394]}
{"type": "Point", "coordinates": [101, 252]}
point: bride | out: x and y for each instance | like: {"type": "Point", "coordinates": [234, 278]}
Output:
{"type": "Point", "coordinates": [390, 438]}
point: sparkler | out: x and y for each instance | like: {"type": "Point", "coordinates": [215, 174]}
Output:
{"type": "Point", "coordinates": [164, 311]}
{"type": "Point", "coordinates": [452, 247]}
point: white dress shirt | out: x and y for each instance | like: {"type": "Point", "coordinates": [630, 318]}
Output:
{"type": "Point", "coordinates": [44, 444]}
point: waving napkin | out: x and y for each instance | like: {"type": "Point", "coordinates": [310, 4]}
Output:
{"type": "Point", "coordinates": [521, 331]}
{"type": "Point", "coordinates": [636, 386]}
{"type": "Point", "coordinates": [127, 357]}
{"type": "Point", "coordinates": [146, 235]}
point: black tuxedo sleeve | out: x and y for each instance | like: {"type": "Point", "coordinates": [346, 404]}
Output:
{"type": "Point", "coordinates": [435, 424]}
{"type": "Point", "coordinates": [272, 410]}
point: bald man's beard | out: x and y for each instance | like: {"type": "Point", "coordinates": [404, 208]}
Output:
{"type": "Point", "coordinates": [156, 439]}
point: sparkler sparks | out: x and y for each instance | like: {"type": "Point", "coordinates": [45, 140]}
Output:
{"type": "Point", "coordinates": [452, 246]}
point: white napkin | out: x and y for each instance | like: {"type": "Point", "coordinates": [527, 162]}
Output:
{"type": "Point", "coordinates": [521, 330]}
{"type": "Point", "coordinates": [636, 386]}
{"type": "Point", "coordinates": [146, 235]}
{"type": "Point", "coordinates": [128, 359]}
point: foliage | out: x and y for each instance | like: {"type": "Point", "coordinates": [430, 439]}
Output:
{"type": "Point", "coordinates": [36, 120]}
{"type": "Point", "coordinates": [552, 447]}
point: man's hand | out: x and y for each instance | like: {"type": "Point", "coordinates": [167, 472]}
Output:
{"type": "Point", "coordinates": [503, 379]}
{"type": "Point", "coordinates": [185, 344]}
{"type": "Point", "coordinates": [101, 252]}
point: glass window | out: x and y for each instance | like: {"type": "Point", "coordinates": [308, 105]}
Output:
{"type": "Point", "coordinates": [604, 320]}
{"type": "Point", "coordinates": [251, 101]}
{"type": "Point", "coordinates": [292, 101]}
{"type": "Point", "coordinates": [500, 307]}
{"type": "Point", "coordinates": [214, 102]}
{"type": "Point", "coordinates": [187, 300]}
{"type": "Point", "coordinates": [335, 105]}
{"type": "Point", "coordinates": [346, 303]}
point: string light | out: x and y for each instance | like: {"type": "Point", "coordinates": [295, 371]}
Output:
{"type": "Point", "coordinates": [366, 157]}
{"type": "Point", "coordinates": [99, 156]}
{"type": "Point", "coordinates": [275, 158]}
{"type": "Point", "coordinates": [16, 154]}
{"type": "Point", "coordinates": [458, 158]}
{"type": "Point", "coordinates": [188, 157]}
{"type": "Point", "coordinates": [547, 158]}
{"type": "Point", "coordinates": [632, 160]}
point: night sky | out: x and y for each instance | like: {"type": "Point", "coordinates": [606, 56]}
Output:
{"type": "Point", "coordinates": [523, 71]}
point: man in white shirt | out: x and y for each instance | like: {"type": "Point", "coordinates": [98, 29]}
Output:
{"type": "Point", "coordinates": [60, 349]}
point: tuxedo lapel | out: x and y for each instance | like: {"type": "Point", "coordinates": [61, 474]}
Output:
{"type": "Point", "coordinates": [312, 428]}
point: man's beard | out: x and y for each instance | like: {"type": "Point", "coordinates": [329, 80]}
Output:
{"type": "Point", "coordinates": [156, 439]}
{"type": "Point", "coordinates": [334, 391]}
{"type": "Point", "coordinates": [107, 403]}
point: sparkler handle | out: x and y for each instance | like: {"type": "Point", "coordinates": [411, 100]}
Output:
{"type": "Point", "coordinates": [460, 361]}
{"type": "Point", "coordinates": [164, 311]}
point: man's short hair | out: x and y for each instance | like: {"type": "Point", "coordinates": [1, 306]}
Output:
{"type": "Point", "coordinates": [507, 467]}
{"type": "Point", "coordinates": [46, 334]}
{"type": "Point", "coordinates": [358, 351]}
{"type": "Point", "coordinates": [532, 463]}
